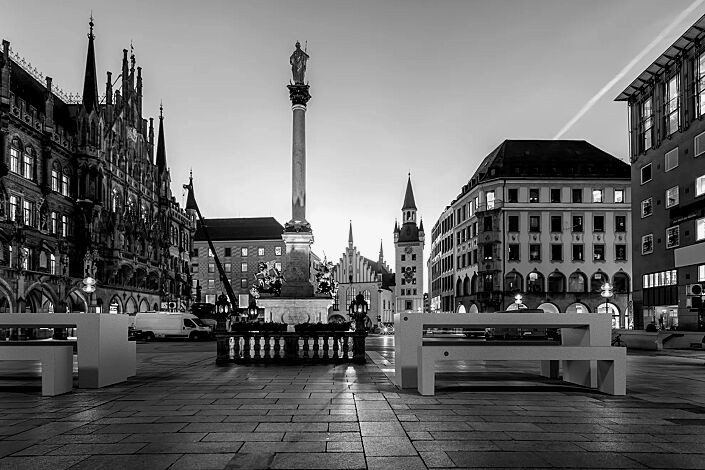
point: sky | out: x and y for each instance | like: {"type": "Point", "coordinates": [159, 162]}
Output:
{"type": "Point", "coordinates": [398, 87]}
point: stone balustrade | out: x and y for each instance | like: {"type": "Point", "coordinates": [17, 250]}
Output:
{"type": "Point", "coordinates": [255, 347]}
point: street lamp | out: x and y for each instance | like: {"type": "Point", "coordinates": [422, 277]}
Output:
{"type": "Point", "coordinates": [222, 306]}
{"type": "Point", "coordinates": [606, 293]}
{"type": "Point", "coordinates": [358, 311]}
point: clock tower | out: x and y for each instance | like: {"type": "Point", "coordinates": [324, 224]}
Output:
{"type": "Point", "coordinates": [408, 250]}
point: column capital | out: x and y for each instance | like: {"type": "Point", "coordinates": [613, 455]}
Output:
{"type": "Point", "coordinates": [299, 94]}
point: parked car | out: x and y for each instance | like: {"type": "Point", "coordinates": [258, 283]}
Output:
{"type": "Point", "coordinates": [171, 325]}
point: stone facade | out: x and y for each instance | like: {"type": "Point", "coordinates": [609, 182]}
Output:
{"type": "Point", "coordinates": [408, 255]}
{"type": "Point", "coordinates": [81, 196]}
{"type": "Point", "coordinates": [373, 279]}
{"type": "Point", "coordinates": [549, 220]}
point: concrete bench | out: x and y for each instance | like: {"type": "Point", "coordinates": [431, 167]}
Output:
{"type": "Point", "coordinates": [575, 361]}
{"type": "Point", "coordinates": [56, 358]}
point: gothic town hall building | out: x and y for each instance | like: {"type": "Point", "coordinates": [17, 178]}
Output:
{"type": "Point", "coordinates": [85, 193]}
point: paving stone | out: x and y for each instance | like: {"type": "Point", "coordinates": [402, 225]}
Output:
{"type": "Point", "coordinates": [54, 462]}
{"type": "Point", "coordinates": [132, 462]}
{"type": "Point", "coordinates": [669, 461]}
{"type": "Point", "coordinates": [321, 436]}
{"type": "Point", "coordinates": [10, 447]}
{"type": "Point", "coordinates": [344, 427]}
{"type": "Point", "coordinates": [498, 459]}
{"type": "Point", "coordinates": [295, 427]}
{"type": "Point", "coordinates": [203, 462]}
{"type": "Point", "coordinates": [436, 459]}
{"type": "Point", "coordinates": [191, 447]}
{"type": "Point", "coordinates": [219, 427]}
{"type": "Point", "coordinates": [298, 447]}
{"type": "Point", "coordinates": [344, 446]}
{"type": "Point", "coordinates": [94, 448]}
{"type": "Point", "coordinates": [388, 446]}
{"type": "Point", "coordinates": [381, 429]}
{"type": "Point", "coordinates": [243, 436]}
{"type": "Point", "coordinates": [395, 463]}
{"type": "Point", "coordinates": [141, 428]}
{"type": "Point", "coordinates": [165, 437]}
{"type": "Point", "coordinates": [332, 460]}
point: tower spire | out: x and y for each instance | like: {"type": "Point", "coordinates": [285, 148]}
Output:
{"type": "Point", "coordinates": [381, 252]}
{"type": "Point", "coordinates": [161, 148]}
{"type": "Point", "coordinates": [350, 236]}
{"type": "Point", "coordinates": [90, 81]}
{"type": "Point", "coordinates": [409, 202]}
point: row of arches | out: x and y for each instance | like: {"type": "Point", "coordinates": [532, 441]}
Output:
{"type": "Point", "coordinates": [550, 307]}
{"type": "Point", "coordinates": [555, 283]}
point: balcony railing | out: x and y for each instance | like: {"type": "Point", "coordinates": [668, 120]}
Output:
{"type": "Point", "coordinates": [255, 347]}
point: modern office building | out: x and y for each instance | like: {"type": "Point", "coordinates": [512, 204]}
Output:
{"type": "Point", "coordinates": [548, 220]}
{"type": "Point", "coordinates": [85, 193]}
{"type": "Point", "coordinates": [667, 145]}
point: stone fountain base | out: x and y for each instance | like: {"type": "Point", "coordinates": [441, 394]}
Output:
{"type": "Point", "coordinates": [295, 311]}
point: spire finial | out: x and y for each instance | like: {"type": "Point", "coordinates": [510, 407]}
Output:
{"type": "Point", "coordinates": [91, 24]}
{"type": "Point", "coordinates": [161, 110]}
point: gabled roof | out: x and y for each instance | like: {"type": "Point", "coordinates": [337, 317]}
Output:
{"type": "Point", "coordinates": [559, 159]}
{"type": "Point", "coordinates": [252, 228]}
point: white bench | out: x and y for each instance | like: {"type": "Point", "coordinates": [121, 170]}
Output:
{"type": "Point", "coordinates": [56, 359]}
{"type": "Point", "coordinates": [610, 370]}
{"type": "Point", "coordinates": [105, 356]}
{"type": "Point", "coordinates": [589, 333]}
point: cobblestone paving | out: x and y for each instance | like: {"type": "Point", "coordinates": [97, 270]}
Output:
{"type": "Point", "coordinates": [183, 412]}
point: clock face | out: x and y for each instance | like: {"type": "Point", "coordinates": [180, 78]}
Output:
{"type": "Point", "coordinates": [408, 249]}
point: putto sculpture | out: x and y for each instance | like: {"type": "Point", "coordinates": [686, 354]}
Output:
{"type": "Point", "coordinates": [268, 280]}
{"type": "Point", "coordinates": [324, 278]}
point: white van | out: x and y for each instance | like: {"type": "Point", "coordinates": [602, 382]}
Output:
{"type": "Point", "coordinates": [171, 325]}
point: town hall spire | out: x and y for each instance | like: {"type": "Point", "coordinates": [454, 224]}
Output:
{"type": "Point", "coordinates": [161, 148]}
{"type": "Point", "coordinates": [90, 82]}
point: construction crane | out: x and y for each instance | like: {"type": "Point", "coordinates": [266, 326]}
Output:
{"type": "Point", "coordinates": [191, 205]}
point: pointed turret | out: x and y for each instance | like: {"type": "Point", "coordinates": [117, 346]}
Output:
{"type": "Point", "coordinates": [381, 253]}
{"type": "Point", "coordinates": [161, 149]}
{"type": "Point", "coordinates": [409, 202]}
{"type": "Point", "coordinates": [421, 226]}
{"type": "Point", "coordinates": [350, 236]}
{"type": "Point", "coordinates": [90, 81]}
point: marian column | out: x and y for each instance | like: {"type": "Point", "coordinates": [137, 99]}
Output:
{"type": "Point", "coordinates": [297, 235]}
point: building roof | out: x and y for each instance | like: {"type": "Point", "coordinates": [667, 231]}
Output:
{"type": "Point", "coordinates": [541, 159]}
{"type": "Point", "coordinates": [693, 35]}
{"type": "Point", "coordinates": [25, 86]}
{"type": "Point", "coordinates": [245, 228]}
{"type": "Point", "coordinates": [409, 232]}
{"type": "Point", "coordinates": [409, 202]}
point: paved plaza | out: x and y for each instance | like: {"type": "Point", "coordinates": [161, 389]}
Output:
{"type": "Point", "coordinates": [184, 412]}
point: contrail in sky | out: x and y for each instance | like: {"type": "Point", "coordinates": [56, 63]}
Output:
{"type": "Point", "coordinates": [591, 102]}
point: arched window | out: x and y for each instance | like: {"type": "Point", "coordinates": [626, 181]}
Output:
{"type": "Point", "coordinates": [473, 284]}
{"type": "Point", "coordinates": [620, 282]}
{"type": "Point", "coordinates": [116, 201]}
{"type": "Point", "coordinates": [349, 296]}
{"type": "Point", "coordinates": [366, 294]}
{"type": "Point", "coordinates": [66, 182]}
{"type": "Point", "coordinates": [459, 288]}
{"type": "Point", "coordinates": [556, 282]}
{"type": "Point", "coordinates": [466, 286]}
{"type": "Point", "coordinates": [15, 153]}
{"type": "Point", "coordinates": [534, 282]}
{"type": "Point", "coordinates": [56, 176]}
{"type": "Point", "coordinates": [597, 280]}
{"type": "Point", "coordinates": [577, 282]}
{"type": "Point", "coordinates": [29, 162]}
{"type": "Point", "coordinates": [513, 282]}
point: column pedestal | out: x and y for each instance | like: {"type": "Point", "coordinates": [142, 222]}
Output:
{"type": "Point", "coordinates": [297, 267]}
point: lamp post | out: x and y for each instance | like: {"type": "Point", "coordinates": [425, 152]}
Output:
{"type": "Point", "coordinates": [607, 292]}
{"type": "Point", "coordinates": [222, 309]}
{"type": "Point", "coordinates": [517, 300]}
{"type": "Point", "coordinates": [358, 311]}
